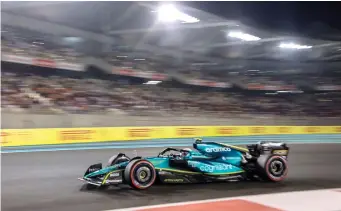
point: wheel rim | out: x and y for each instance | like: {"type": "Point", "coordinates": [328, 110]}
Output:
{"type": "Point", "coordinates": [277, 169]}
{"type": "Point", "coordinates": [143, 175]}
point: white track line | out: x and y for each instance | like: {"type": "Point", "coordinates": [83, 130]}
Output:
{"type": "Point", "coordinates": [278, 200]}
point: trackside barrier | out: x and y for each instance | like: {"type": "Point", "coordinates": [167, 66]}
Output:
{"type": "Point", "coordinates": [29, 137]}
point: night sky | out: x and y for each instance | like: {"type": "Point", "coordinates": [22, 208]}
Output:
{"type": "Point", "coordinates": [313, 19]}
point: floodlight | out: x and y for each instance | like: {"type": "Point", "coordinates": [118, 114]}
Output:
{"type": "Point", "coordinates": [294, 46]}
{"type": "Point", "coordinates": [152, 82]}
{"type": "Point", "coordinates": [243, 36]}
{"type": "Point", "coordinates": [187, 18]}
{"type": "Point", "coordinates": [169, 13]}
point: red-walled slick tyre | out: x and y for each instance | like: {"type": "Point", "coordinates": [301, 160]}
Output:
{"type": "Point", "coordinates": [275, 169]}
{"type": "Point", "coordinates": [140, 174]}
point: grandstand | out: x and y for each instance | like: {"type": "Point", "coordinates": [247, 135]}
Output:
{"type": "Point", "coordinates": [123, 57]}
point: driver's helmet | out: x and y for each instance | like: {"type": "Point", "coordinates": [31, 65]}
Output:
{"type": "Point", "coordinates": [198, 140]}
{"type": "Point", "coordinates": [186, 151]}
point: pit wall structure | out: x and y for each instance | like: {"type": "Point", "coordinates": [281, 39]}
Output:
{"type": "Point", "coordinates": [167, 134]}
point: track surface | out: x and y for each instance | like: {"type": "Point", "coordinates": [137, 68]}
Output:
{"type": "Point", "coordinates": [47, 180]}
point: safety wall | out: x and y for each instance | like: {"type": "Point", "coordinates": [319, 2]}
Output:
{"type": "Point", "coordinates": [29, 120]}
{"type": "Point", "coordinates": [29, 137]}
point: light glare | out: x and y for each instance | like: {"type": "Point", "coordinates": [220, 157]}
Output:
{"type": "Point", "coordinates": [168, 14]}
{"type": "Point", "coordinates": [152, 82]}
{"type": "Point", "coordinates": [243, 36]}
{"type": "Point", "coordinates": [294, 46]}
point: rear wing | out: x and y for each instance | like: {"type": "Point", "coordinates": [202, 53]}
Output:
{"type": "Point", "coordinates": [276, 148]}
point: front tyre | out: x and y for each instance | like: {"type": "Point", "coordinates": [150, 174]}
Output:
{"type": "Point", "coordinates": [274, 168]}
{"type": "Point", "coordinates": [140, 174]}
{"type": "Point", "coordinates": [117, 159]}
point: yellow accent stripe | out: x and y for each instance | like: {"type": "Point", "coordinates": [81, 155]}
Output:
{"type": "Point", "coordinates": [235, 147]}
{"type": "Point", "coordinates": [236, 172]}
{"type": "Point", "coordinates": [108, 174]}
{"type": "Point", "coordinates": [191, 172]}
{"type": "Point", "coordinates": [179, 171]}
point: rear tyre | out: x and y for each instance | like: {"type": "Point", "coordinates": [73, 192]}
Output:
{"type": "Point", "coordinates": [274, 169]}
{"type": "Point", "coordinates": [140, 174]}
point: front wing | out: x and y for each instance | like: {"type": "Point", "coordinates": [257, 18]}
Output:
{"type": "Point", "coordinates": [111, 178]}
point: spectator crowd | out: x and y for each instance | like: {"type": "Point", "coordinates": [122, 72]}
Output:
{"type": "Point", "coordinates": [56, 93]}
{"type": "Point", "coordinates": [33, 44]}
{"type": "Point", "coordinates": [95, 95]}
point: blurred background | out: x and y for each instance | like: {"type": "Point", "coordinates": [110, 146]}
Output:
{"type": "Point", "coordinates": [79, 64]}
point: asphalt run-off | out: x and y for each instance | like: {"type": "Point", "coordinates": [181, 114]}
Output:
{"type": "Point", "coordinates": [37, 181]}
